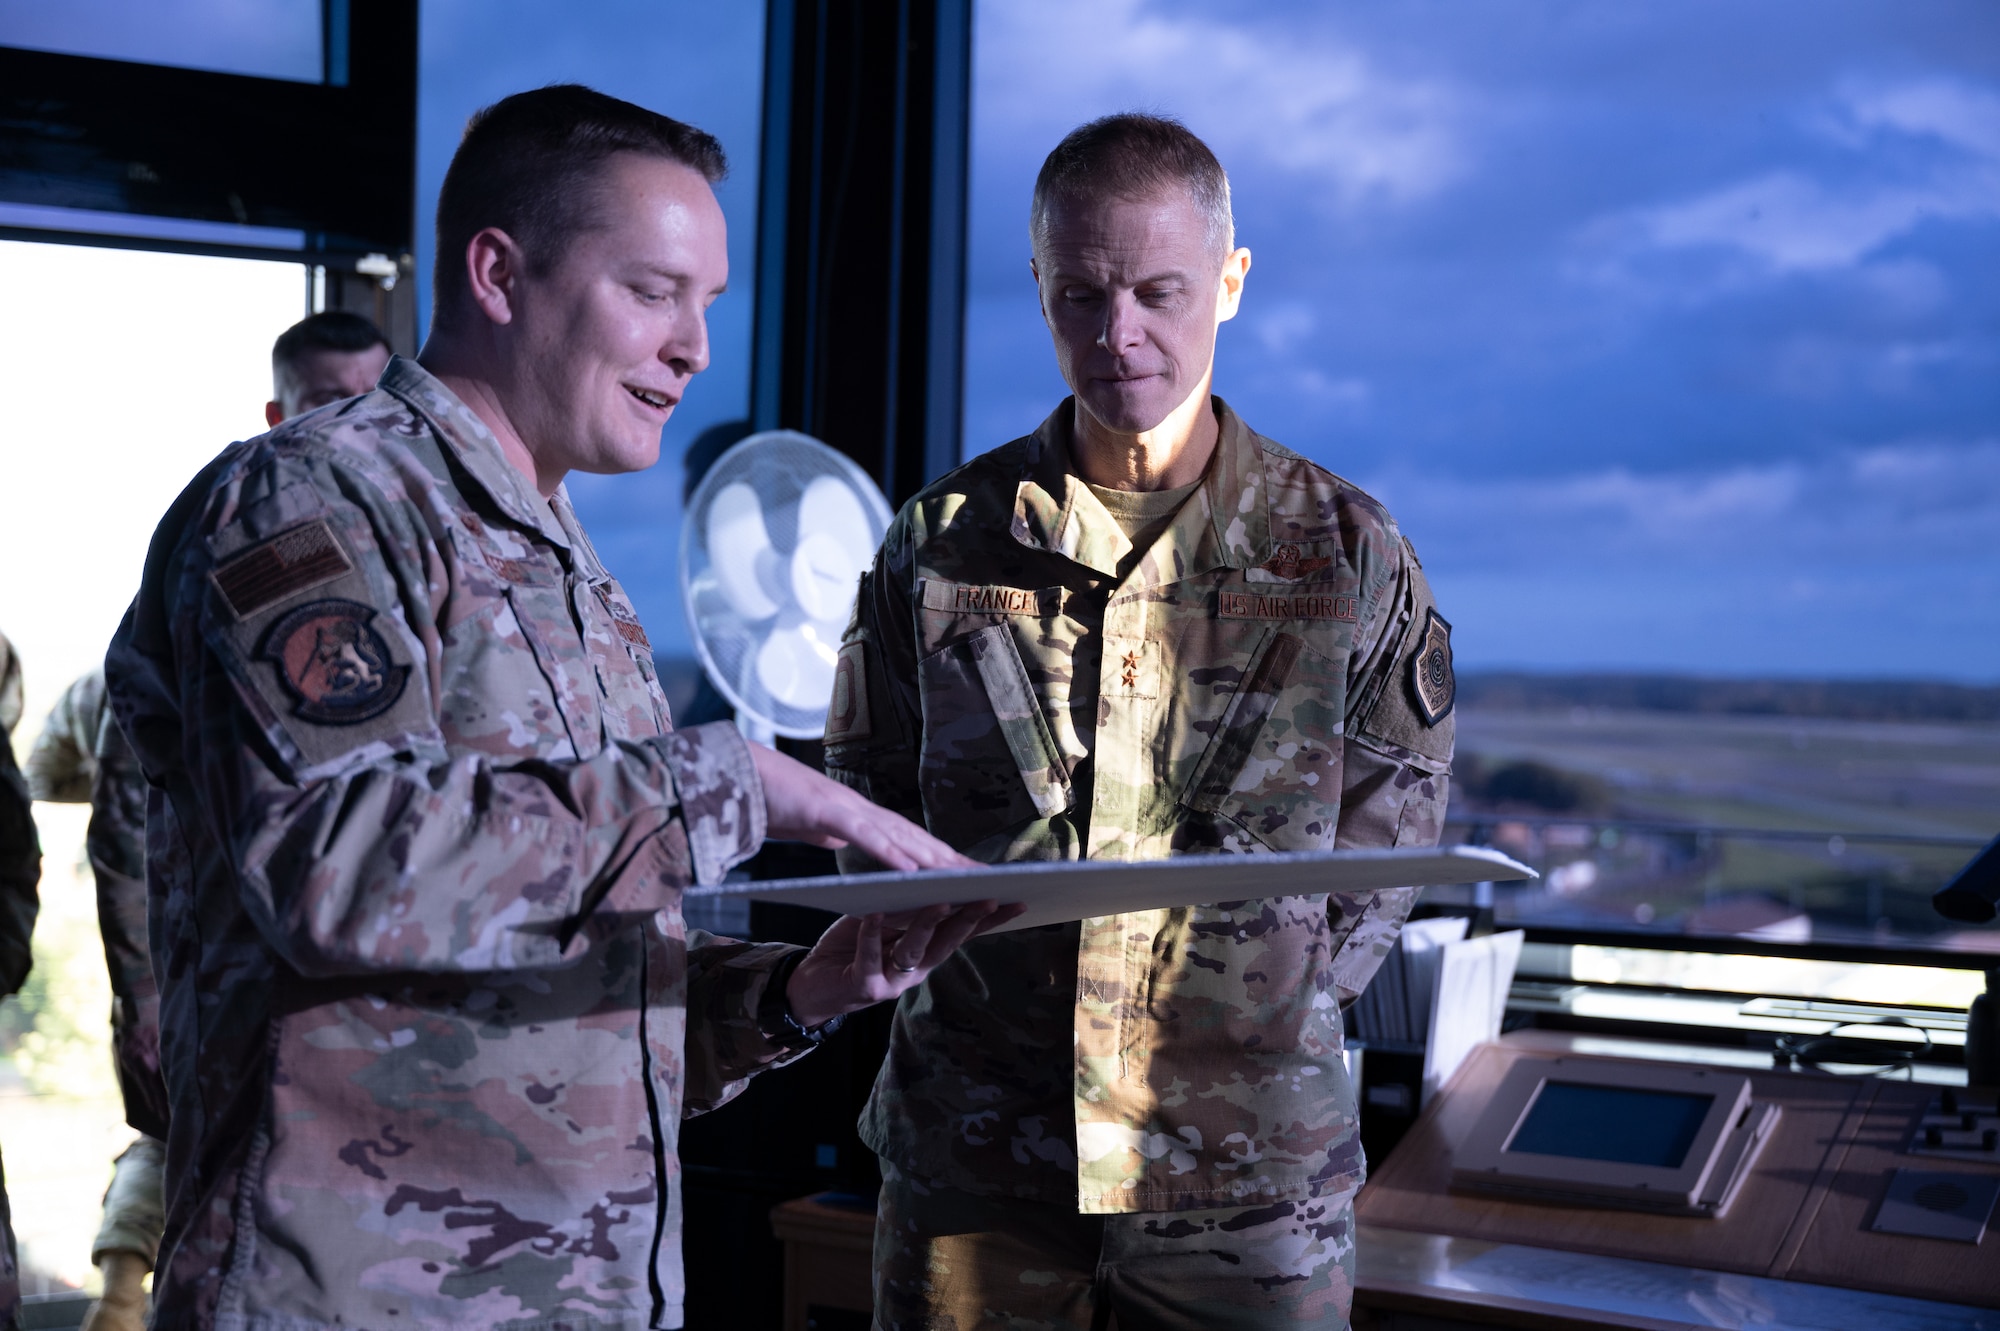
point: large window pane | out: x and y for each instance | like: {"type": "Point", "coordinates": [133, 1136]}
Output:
{"type": "Point", "coordinates": [272, 39]}
{"type": "Point", "coordinates": [121, 373]}
{"type": "Point", "coordinates": [1667, 330]}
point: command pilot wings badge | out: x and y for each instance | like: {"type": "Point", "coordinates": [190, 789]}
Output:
{"type": "Point", "coordinates": [1431, 677]}
{"type": "Point", "coordinates": [1291, 564]}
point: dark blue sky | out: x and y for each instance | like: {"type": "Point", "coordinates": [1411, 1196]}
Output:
{"type": "Point", "coordinates": [1670, 329]}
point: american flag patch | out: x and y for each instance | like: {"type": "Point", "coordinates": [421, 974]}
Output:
{"type": "Point", "coordinates": [287, 564]}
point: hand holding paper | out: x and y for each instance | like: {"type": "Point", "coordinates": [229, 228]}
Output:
{"type": "Point", "coordinates": [862, 960]}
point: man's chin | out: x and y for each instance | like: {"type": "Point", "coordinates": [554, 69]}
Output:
{"type": "Point", "coordinates": [1127, 412]}
{"type": "Point", "coordinates": [621, 458]}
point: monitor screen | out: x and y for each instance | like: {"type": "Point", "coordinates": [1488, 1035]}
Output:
{"type": "Point", "coordinates": [1616, 1123]}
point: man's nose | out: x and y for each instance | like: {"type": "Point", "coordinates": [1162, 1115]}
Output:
{"type": "Point", "coordinates": [1121, 332]}
{"type": "Point", "coordinates": [687, 349]}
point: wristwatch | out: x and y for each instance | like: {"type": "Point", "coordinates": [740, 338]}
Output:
{"type": "Point", "coordinates": [775, 1019]}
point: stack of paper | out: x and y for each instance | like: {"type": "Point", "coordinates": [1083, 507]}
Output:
{"type": "Point", "coordinates": [1439, 989]}
{"type": "Point", "coordinates": [1473, 978]}
{"type": "Point", "coordinates": [1395, 1008]}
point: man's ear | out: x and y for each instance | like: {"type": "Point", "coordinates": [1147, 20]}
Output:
{"type": "Point", "coordinates": [1229, 292]}
{"type": "Point", "coordinates": [493, 268]}
{"type": "Point", "coordinates": [274, 414]}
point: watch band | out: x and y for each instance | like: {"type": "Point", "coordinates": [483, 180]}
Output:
{"type": "Point", "coordinates": [775, 1020]}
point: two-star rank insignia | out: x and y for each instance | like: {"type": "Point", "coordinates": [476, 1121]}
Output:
{"type": "Point", "coordinates": [1129, 667]}
{"type": "Point", "coordinates": [1431, 677]}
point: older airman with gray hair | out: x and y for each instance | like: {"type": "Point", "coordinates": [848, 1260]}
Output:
{"type": "Point", "coordinates": [1143, 630]}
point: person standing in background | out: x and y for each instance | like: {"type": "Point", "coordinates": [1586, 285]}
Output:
{"type": "Point", "coordinates": [20, 873]}
{"type": "Point", "coordinates": [81, 757]}
{"type": "Point", "coordinates": [323, 358]}
{"type": "Point", "coordinates": [10, 687]}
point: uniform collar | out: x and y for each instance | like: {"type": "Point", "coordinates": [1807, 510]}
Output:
{"type": "Point", "coordinates": [1224, 524]}
{"type": "Point", "coordinates": [476, 450]}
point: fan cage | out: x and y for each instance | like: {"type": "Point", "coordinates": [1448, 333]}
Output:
{"type": "Point", "coordinates": [778, 465]}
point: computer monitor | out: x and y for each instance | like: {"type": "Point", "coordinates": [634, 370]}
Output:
{"type": "Point", "coordinates": [1594, 1132]}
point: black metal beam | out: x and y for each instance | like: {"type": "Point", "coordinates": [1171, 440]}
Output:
{"type": "Point", "coordinates": [861, 241]}
{"type": "Point", "coordinates": [334, 160]}
{"type": "Point", "coordinates": [112, 240]}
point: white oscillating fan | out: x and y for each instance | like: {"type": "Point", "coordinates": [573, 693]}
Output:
{"type": "Point", "coordinates": [775, 539]}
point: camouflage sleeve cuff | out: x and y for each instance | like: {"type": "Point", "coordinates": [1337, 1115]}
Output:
{"type": "Point", "coordinates": [721, 797]}
{"type": "Point", "coordinates": [133, 1215]}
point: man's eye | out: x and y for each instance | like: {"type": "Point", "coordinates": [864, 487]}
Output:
{"type": "Point", "coordinates": [1080, 296]}
{"type": "Point", "coordinates": [649, 297]}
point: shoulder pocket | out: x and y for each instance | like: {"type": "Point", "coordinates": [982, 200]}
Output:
{"type": "Point", "coordinates": [988, 760]}
{"type": "Point", "coordinates": [1273, 766]}
{"type": "Point", "coordinates": [325, 659]}
{"type": "Point", "coordinates": [1412, 712]}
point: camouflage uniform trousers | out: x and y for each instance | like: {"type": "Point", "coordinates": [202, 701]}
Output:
{"type": "Point", "coordinates": [947, 1260]}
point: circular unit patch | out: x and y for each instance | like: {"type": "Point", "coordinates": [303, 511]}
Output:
{"type": "Point", "coordinates": [334, 662]}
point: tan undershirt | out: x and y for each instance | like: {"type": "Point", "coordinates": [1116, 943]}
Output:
{"type": "Point", "coordinates": [1142, 515]}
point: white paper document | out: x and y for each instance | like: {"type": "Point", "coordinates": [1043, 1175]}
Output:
{"type": "Point", "coordinates": [1057, 891]}
{"type": "Point", "coordinates": [1395, 1008]}
{"type": "Point", "coordinates": [1469, 997]}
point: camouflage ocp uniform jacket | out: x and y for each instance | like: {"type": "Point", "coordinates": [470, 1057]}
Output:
{"type": "Point", "coordinates": [81, 757]}
{"type": "Point", "coordinates": [20, 875]}
{"type": "Point", "coordinates": [1251, 685]}
{"type": "Point", "coordinates": [418, 828]}
{"type": "Point", "coordinates": [20, 844]}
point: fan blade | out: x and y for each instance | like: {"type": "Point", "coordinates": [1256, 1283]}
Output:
{"type": "Point", "coordinates": [824, 573]}
{"type": "Point", "coordinates": [796, 668]}
{"type": "Point", "coordinates": [829, 507]}
{"type": "Point", "coordinates": [738, 546]}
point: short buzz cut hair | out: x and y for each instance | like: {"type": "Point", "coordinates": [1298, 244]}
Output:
{"type": "Point", "coordinates": [528, 166]}
{"type": "Point", "coordinates": [1133, 155]}
{"type": "Point", "coordinates": [329, 330]}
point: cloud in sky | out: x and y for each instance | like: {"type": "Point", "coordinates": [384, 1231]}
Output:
{"type": "Point", "coordinates": [1900, 503]}
{"type": "Point", "coordinates": [1852, 564]}
{"type": "Point", "coordinates": [1325, 113]}
{"type": "Point", "coordinates": [1792, 220]}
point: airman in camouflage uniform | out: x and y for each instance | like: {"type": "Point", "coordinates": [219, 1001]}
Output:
{"type": "Point", "coordinates": [418, 822]}
{"type": "Point", "coordinates": [1148, 1110]}
{"type": "Point", "coordinates": [10, 688]}
{"type": "Point", "coordinates": [81, 757]}
{"type": "Point", "coordinates": [20, 873]}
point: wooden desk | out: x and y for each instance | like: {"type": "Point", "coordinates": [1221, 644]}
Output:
{"type": "Point", "coordinates": [1428, 1282]}
{"type": "Point", "coordinates": [1802, 1216]}
{"type": "Point", "coordinates": [829, 1257]}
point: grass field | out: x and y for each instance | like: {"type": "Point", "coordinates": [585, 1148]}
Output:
{"type": "Point", "coordinates": [1846, 779]}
